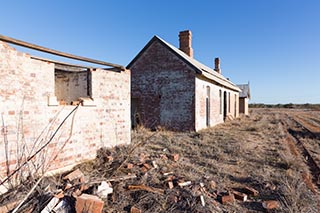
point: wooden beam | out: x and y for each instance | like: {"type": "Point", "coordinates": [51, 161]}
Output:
{"type": "Point", "coordinates": [55, 52]}
{"type": "Point", "coordinates": [61, 63]}
{"type": "Point", "coordinates": [69, 68]}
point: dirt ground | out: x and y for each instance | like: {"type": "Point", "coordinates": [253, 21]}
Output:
{"type": "Point", "coordinates": [274, 151]}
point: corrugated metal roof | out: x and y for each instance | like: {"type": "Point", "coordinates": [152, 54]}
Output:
{"type": "Point", "coordinates": [203, 69]}
{"type": "Point", "coordinates": [245, 90]}
{"type": "Point", "coordinates": [200, 68]}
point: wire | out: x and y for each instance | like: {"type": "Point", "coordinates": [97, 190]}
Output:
{"type": "Point", "coordinates": [39, 150]}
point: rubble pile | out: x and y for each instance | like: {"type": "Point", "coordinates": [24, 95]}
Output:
{"type": "Point", "coordinates": [116, 182]}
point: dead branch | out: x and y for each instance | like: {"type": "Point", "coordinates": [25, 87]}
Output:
{"type": "Point", "coordinates": [115, 179]}
{"type": "Point", "coordinates": [6, 149]}
{"type": "Point", "coordinates": [70, 135]}
{"type": "Point", "coordinates": [146, 188]}
{"type": "Point", "coordinates": [27, 196]}
{"type": "Point", "coordinates": [41, 148]}
{"type": "Point", "coordinates": [131, 151]}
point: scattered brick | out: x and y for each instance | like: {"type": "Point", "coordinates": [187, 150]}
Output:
{"type": "Point", "coordinates": [129, 166]}
{"type": "Point", "coordinates": [11, 112]}
{"type": "Point", "coordinates": [147, 166]}
{"type": "Point", "coordinates": [68, 186]}
{"type": "Point", "coordinates": [75, 176]}
{"type": "Point", "coordinates": [76, 193]}
{"type": "Point", "coordinates": [59, 195]}
{"type": "Point", "coordinates": [170, 178]}
{"type": "Point", "coordinates": [174, 157]}
{"type": "Point", "coordinates": [202, 200]}
{"type": "Point", "coordinates": [88, 203]}
{"type": "Point", "coordinates": [251, 191]}
{"type": "Point", "coordinates": [170, 184]}
{"type": "Point", "coordinates": [213, 184]}
{"type": "Point", "coordinates": [167, 173]}
{"type": "Point", "coordinates": [9, 206]}
{"type": "Point", "coordinates": [154, 164]}
{"type": "Point", "coordinates": [135, 210]}
{"type": "Point", "coordinates": [227, 198]}
{"type": "Point", "coordinates": [109, 158]}
{"type": "Point", "coordinates": [271, 204]}
{"type": "Point", "coordinates": [187, 183]}
{"type": "Point", "coordinates": [142, 157]}
{"type": "Point", "coordinates": [240, 196]}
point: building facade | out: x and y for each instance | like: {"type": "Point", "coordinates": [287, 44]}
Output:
{"type": "Point", "coordinates": [244, 98]}
{"type": "Point", "coordinates": [169, 88]}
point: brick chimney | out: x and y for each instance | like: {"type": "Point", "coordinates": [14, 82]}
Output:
{"type": "Point", "coordinates": [185, 38]}
{"type": "Point", "coordinates": [217, 65]}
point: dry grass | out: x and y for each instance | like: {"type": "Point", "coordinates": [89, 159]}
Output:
{"type": "Point", "coordinates": [250, 151]}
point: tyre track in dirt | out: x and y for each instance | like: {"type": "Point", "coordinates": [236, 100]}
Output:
{"type": "Point", "coordinates": [304, 131]}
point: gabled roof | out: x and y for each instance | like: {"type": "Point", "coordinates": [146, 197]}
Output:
{"type": "Point", "coordinates": [199, 68]}
{"type": "Point", "coordinates": [245, 90]}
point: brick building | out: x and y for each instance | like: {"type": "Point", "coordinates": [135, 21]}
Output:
{"type": "Point", "coordinates": [37, 94]}
{"type": "Point", "coordinates": [169, 88]}
{"type": "Point", "coordinates": [244, 98]}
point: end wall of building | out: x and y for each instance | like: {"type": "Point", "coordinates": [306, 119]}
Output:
{"type": "Point", "coordinates": [162, 90]}
{"type": "Point", "coordinates": [244, 106]}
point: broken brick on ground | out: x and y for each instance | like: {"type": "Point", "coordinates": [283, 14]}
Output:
{"type": "Point", "coordinates": [204, 161]}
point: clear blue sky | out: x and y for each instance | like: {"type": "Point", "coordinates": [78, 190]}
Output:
{"type": "Point", "coordinates": [274, 44]}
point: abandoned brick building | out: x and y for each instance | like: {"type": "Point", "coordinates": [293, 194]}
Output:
{"type": "Point", "coordinates": [169, 88]}
{"type": "Point", "coordinates": [244, 98]}
{"type": "Point", "coordinates": [36, 96]}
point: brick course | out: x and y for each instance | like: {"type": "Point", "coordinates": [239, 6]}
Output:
{"type": "Point", "coordinates": [29, 122]}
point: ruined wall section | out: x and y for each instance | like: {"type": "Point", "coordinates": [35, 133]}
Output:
{"type": "Point", "coordinates": [28, 122]}
{"type": "Point", "coordinates": [163, 89]}
{"type": "Point", "coordinates": [111, 92]}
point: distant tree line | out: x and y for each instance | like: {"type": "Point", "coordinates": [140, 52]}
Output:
{"type": "Point", "coordinates": [288, 106]}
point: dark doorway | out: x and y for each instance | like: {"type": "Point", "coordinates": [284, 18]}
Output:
{"type": "Point", "coordinates": [208, 107]}
{"type": "Point", "coordinates": [135, 115]}
{"type": "Point", "coordinates": [224, 105]}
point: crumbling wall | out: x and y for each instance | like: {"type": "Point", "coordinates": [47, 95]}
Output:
{"type": "Point", "coordinates": [30, 116]}
{"type": "Point", "coordinates": [162, 90]}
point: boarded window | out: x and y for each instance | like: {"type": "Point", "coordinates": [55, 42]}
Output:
{"type": "Point", "coordinates": [70, 86]}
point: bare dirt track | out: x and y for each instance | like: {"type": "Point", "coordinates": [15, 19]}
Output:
{"type": "Point", "coordinates": [274, 151]}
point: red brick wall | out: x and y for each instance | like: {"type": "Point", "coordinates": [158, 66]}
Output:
{"type": "Point", "coordinates": [29, 122]}
{"type": "Point", "coordinates": [163, 87]}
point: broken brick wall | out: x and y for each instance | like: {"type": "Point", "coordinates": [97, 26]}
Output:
{"type": "Point", "coordinates": [162, 90]}
{"type": "Point", "coordinates": [29, 117]}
